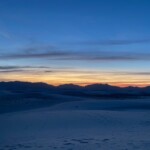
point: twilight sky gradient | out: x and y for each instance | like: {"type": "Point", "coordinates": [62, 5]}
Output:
{"type": "Point", "coordinates": [75, 41]}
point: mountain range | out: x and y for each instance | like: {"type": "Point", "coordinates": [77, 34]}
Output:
{"type": "Point", "coordinates": [16, 96]}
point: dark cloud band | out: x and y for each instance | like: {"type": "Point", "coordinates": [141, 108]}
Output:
{"type": "Point", "coordinates": [50, 53]}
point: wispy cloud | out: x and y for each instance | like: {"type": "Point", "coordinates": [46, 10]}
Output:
{"type": "Point", "coordinates": [100, 56]}
{"type": "Point", "coordinates": [65, 70]}
{"type": "Point", "coordinates": [25, 69]}
{"type": "Point", "coordinates": [113, 42]}
{"type": "Point", "coordinates": [51, 53]}
{"type": "Point", "coordinates": [11, 71]}
{"type": "Point", "coordinates": [48, 54]}
{"type": "Point", "coordinates": [97, 73]}
{"type": "Point", "coordinates": [135, 73]}
{"type": "Point", "coordinates": [22, 67]}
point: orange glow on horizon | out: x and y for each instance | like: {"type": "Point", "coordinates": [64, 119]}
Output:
{"type": "Point", "coordinates": [119, 84]}
{"type": "Point", "coordinates": [79, 78]}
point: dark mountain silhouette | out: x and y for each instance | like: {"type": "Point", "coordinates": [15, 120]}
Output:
{"type": "Point", "coordinates": [13, 85]}
{"type": "Point", "coordinates": [15, 96]}
{"type": "Point", "coordinates": [27, 86]}
{"type": "Point", "coordinates": [100, 89]}
{"type": "Point", "coordinates": [69, 87]}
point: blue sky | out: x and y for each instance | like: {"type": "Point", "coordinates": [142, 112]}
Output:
{"type": "Point", "coordinates": [75, 36]}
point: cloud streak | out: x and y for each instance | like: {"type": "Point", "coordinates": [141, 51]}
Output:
{"type": "Point", "coordinates": [135, 73]}
{"type": "Point", "coordinates": [43, 69]}
{"type": "Point", "coordinates": [114, 42]}
{"type": "Point", "coordinates": [22, 67]}
{"type": "Point", "coordinates": [11, 71]}
{"type": "Point", "coordinates": [86, 56]}
{"type": "Point", "coordinates": [51, 53]}
{"type": "Point", "coordinates": [25, 69]}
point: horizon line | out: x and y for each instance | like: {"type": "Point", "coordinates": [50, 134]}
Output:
{"type": "Point", "coordinates": [80, 85]}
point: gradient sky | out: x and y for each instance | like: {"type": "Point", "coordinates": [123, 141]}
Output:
{"type": "Point", "coordinates": [75, 41]}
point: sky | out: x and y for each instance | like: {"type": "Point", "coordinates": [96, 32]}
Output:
{"type": "Point", "coordinates": [75, 41]}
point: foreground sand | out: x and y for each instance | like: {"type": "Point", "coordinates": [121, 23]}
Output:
{"type": "Point", "coordinates": [85, 125]}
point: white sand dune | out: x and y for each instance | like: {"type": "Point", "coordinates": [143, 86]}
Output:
{"type": "Point", "coordinates": [80, 125]}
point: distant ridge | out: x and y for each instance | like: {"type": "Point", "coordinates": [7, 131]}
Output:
{"type": "Point", "coordinates": [69, 86]}
{"type": "Point", "coordinates": [18, 85]}
{"type": "Point", "coordinates": [16, 95]}
{"type": "Point", "coordinates": [90, 86]}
